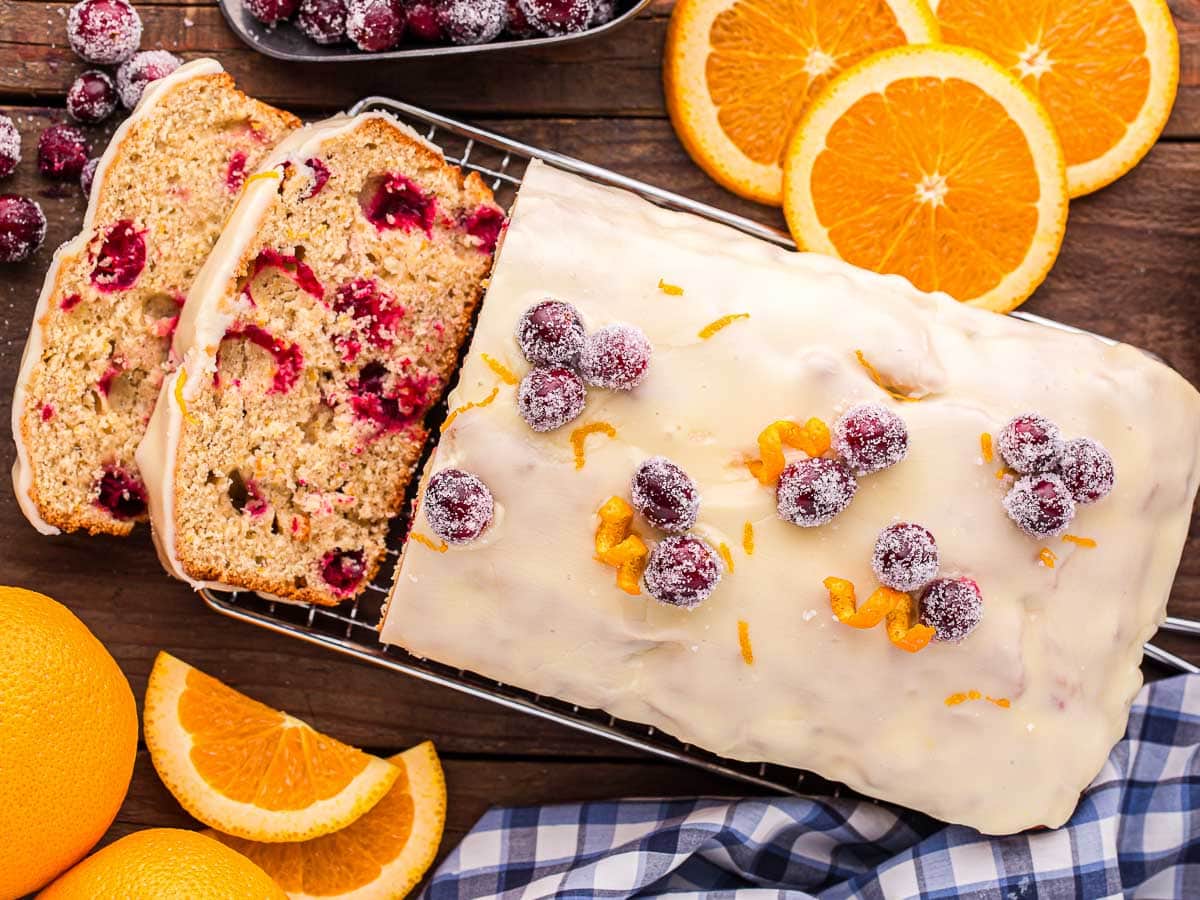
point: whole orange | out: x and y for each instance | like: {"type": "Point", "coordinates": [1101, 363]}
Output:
{"type": "Point", "coordinates": [161, 863]}
{"type": "Point", "coordinates": [68, 736]}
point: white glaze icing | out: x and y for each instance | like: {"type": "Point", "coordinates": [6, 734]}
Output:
{"type": "Point", "coordinates": [530, 605]}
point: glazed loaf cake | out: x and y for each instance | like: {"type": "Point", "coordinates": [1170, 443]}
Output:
{"type": "Point", "coordinates": [320, 332]}
{"type": "Point", "coordinates": [98, 348]}
{"type": "Point", "coordinates": [1000, 667]}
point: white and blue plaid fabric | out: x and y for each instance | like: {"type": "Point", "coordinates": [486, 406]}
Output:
{"type": "Point", "coordinates": [1136, 833]}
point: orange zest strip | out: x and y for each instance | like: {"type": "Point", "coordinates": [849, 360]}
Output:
{"type": "Point", "coordinates": [845, 606]}
{"type": "Point", "coordinates": [580, 434]}
{"type": "Point", "coordinates": [744, 642]}
{"type": "Point", "coordinates": [435, 546]}
{"type": "Point", "coordinates": [902, 628]}
{"type": "Point", "coordinates": [504, 372]}
{"type": "Point", "coordinates": [748, 538]}
{"type": "Point", "coordinates": [723, 549]}
{"type": "Point", "coordinates": [1002, 702]}
{"type": "Point", "coordinates": [629, 548]}
{"type": "Point", "coordinates": [964, 696]}
{"type": "Point", "coordinates": [1079, 541]}
{"type": "Point", "coordinates": [985, 447]}
{"type": "Point", "coordinates": [1000, 473]}
{"type": "Point", "coordinates": [629, 576]}
{"type": "Point", "coordinates": [180, 382]}
{"type": "Point", "coordinates": [813, 438]}
{"type": "Point", "coordinates": [1046, 557]}
{"type": "Point", "coordinates": [724, 322]}
{"type": "Point", "coordinates": [270, 173]}
{"type": "Point", "coordinates": [616, 546]}
{"type": "Point", "coordinates": [474, 404]}
{"type": "Point", "coordinates": [878, 379]}
{"type": "Point", "coordinates": [671, 290]}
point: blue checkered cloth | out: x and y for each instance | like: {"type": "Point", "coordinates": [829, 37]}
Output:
{"type": "Point", "coordinates": [1136, 833]}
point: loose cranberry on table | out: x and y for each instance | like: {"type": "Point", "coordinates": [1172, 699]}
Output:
{"type": "Point", "coordinates": [550, 397]}
{"type": "Point", "coordinates": [88, 175]}
{"type": "Point", "coordinates": [665, 495]}
{"type": "Point", "coordinates": [324, 21]}
{"type": "Point", "coordinates": [92, 97]}
{"type": "Point", "coordinates": [952, 607]}
{"type": "Point", "coordinates": [905, 557]}
{"type": "Point", "coordinates": [870, 438]}
{"type": "Point", "coordinates": [458, 506]}
{"type": "Point", "coordinates": [1087, 470]}
{"type": "Point", "coordinates": [811, 492]}
{"type": "Point", "coordinates": [1030, 443]}
{"type": "Point", "coordinates": [682, 571]}
{"type": "Point", "coordinates": [62, 152]}
{"type": "Point", "coordinates": [1041, 505]}
{"type": "Point", "coordinates": [558, 16]}
{"type": "Point", "coordinates": [615, 357]}
{"type": "Point", "coordinates": [551, 333]}
{"type": "Point", "coordinates": [471, 21]}
{"type": "Point", "coordinates": [374, 25]}
{"type": "Point", "coordinates": [22, 227]}
{"type": "Point", "coordinates": [421, 17]}
{"type": "Point", "coordinates": [105, 32]}
{"type": "Point", "coordinates": [145, 67]}
{"type": "Point", "coordinates": [271, 12]}
{"type": "Point", "coordinates": [10, 146]}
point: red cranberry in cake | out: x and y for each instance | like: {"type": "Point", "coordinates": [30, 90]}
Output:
{"type": "Point", "coordinates": [235, 172]}
{"type": "Point", "coordinates": [88, 175]}
{"type": "Point", "coordinates": [1030, 443]}
{"type": "Point", "coordinates": [271, 12]}
{"type": "Point", "coordinates": [47, 412]}
{"type": "Point", "coordinates": [870, 438]}
{"type": "Point", "coordinates": [1041, 505]}
{"type": "Point", "coordinates": [343, 571]}
{"type": "Point", "coordinates": [399, 202]}
{"type": "Point", "coordinates": [812, 492]}
{"type": "Point", "coordinates": [289, 358]}
{"type": "Point", "coordinates": [62, 152]}
{"type": "Point", "coordinates": [905, 557]}
{"type": "Point", "coordinates": [121, 258]}
{"type": "Point", "coordinates": [1087, 470]}
{"type": "Point", "coordinates": [291, 266]}
{"type": "Point", "coordinates": [665, 495]}
{"type": "Point", "coordinates": [615, 357]}
{"type": "Point", "coordinates": [458, 506]}
{"type": "Point", "coordinates": [69, 302]}
{"type": "Point", "coordinates": [320, 176]}
{"type": "Point", "coordinates": [92, 97]}
{"type": "Point", "coordinates": [518, 23]}
{"type": "Point", "coordinates": [323, 21]}
{"type": "Point", "coordinates": [121, 493]}
{"type": "Point", "coordinates": [143, 68]}
{"type": "Point", "coordinates": [422, 20]}
{"type": "Point", "coordinates": [558, 16]}
{"type": "Point", "coordinates": [10, 146]}
{"type": "Point", "coordinates": [105, 32]}
{"type": "Point", "coordinates": [390, 402]}
{"type": "Point", "coordinates": [374, 25]}
{"type": "Point", "coordinates": [471, 21]}
{"type": "Point", "coordinates": [550, 397]}
{"type": "Point", "coordinates": [952, 607]}
{"type": "Point", "coordinates": [551, 333]}
{"type": "Point", "coordinates": [682, 571]}
{"type": "Point", "coordinates": [376, 314]}
{"type": "Point", "coordinates": [22, 227]}
{"type": "Point", "coordinates": [484, 224]}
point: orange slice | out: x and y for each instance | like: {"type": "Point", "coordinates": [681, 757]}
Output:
{"type": "Point", "coordinates": [1106, 71]}
{"type": "Point", "coordinates": [936, 164]}
{"type": "Point", "coordinates": [381, 856]}
{"type": "Point", "coordinates": [247, 769]}
{"type": "Point", "coordinates": [739, 73]}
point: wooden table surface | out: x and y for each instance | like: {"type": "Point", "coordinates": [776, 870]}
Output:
{"type": "Point", "coordinates": [1130, 268]}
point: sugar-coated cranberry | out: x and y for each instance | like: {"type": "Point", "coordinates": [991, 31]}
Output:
{"type": "Point", "coordinates": [905, 557]}
{"type": "Point", "coordinates": [1087, 470]}
{"type": "Point", "coordinates": [422, 19]}
{"type": "Point", "coordinates": [558, 16]}
{"type": "Point", "coordinates": [374, 25]}
{"type": "Point", "coordinates": [665, 495]}
{"type": "Point", "coordinates": [121, 257]}
{"type": "Point", "coordinates": [472, 21]}
{"type": "Point", "coordinates": [62, 152]}
{"type": "Point", "coordinates": [121, 493]}
{"type": "Point", "coordinates": [551, 333]}
{"type": "Point", "coordinates": [88, 175]}
{"type": "Point", "coordinates": [604, 11]}
{"type": "Point", "coordinates": [22, 227]}
{"type": "Point", "coordinates": [1041, 505]}
{"type": "Point", "coordinates": [1030, 443]}
{"type": "Point", "coordinates": [105, 32]}
{"type": "Point", "coordinates": [139, 71]}
{"type": "Point", "coordinates": [10, 146]}
{"type": "Point", "coordinates": [615, 357]}
{"type": "Point", "coordinates": [550, 397]}
{"type": "Point", "coordinates": [812, 492]}
{"type": "Point", "coordinates": [458, 506]}
{"type": "Point", "coordinates": [399, 202]}
{"type": "Point", "coordinates": [343, 571]}
{"type": "Point", "coordinates": [518, 23]}
{"type": "Point", "coordinates": [92, 97]}
{"type": "Point", "coordinates": [271, 12]}
{"type": "Point", "coordinates": [682, 571]}
{"type": "Point", "coordinates": [485, 224]}
{"type": "Point", "coordinates": [324, 21]}
{"type": "Point", "coordinates": [870, 438]}
{"type": "Point", "coordinates": [952, 607]}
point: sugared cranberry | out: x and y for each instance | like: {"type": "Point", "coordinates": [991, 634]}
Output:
{"type": "Point", "coordinates": [905, 557]}
{"type": "Point", "coordinates": [1087, 470]}
{"type": "Point", "coordinates": [92, 97]}
{"type": "Point", "coordinates": [604, 11]}
{"type": "Point", "coordinates": [271, 12]}
{"type": "Point", "coordinates": [324, 21]}
{"type": "Point", "coordinates": [471, 21]}
{"type": "Point", "coordinates": [22, 227]}
{"type": "Point", "coordinates": [682, 571]}
{"type": "Point", "coordinates": [62, 152]}
{"type": "Point", "coordinates": [121, 493]}
{"type": "Point", "coordinates": [1041, 505]}
{"type": "Point", "coordinates": [518, 24]}
{"type": "Point", "coordinates": [484, 225]}
{"type": "Point", "coordinates": [88, 175]}
{"type": "Point", "coordinates": [1030, 443]}
{"type": "Point", "coordinates": [549, 398]}
{"type": "Point", "coordinates": [812, 492]}
{"type": "Point", "coordinates": [615, 357]}
{"type": "Point", "coordinates": [105, 32]}
{"type": "Point", "coordinates": [952, 607]}
{"type": "Point", "coordinates": [665, 495]}
{"type": "Point", "coordinates": [374, 25]}
{"type": "Point", "coordinates": [10, 146]}
{"type": "Point", "coordinates": [121, 258]}
{"type": "Point", "coordinates": [558, 16]}
{"type": "Point", "coordinates": [551, 333]}
{"type": "Point", "coordinates": [422, 19]}
{"type": "Point", "coordinates": [399, 202]}
{"type": "Point", "coordinates": [458, 506]}
{"type": "Point", "coordinates": [343, 571]}
{"type": "Point", "coordinates": [870, 438]}
{"type": "Point", "coordinates": [143, 68]}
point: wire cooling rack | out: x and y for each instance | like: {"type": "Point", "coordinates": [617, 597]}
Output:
{"type": "Point", "coordinates": [351, 628]}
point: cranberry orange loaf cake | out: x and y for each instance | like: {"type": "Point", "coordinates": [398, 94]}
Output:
{"type": "Point", "coordinates": [320, 332]}
{"type": "Point", "coordinates": [795, 512]}
{"type": "Point", "coordinates": [98, 348]}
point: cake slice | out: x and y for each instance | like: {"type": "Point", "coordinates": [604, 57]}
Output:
{"type": "Point", "coordinates": [98, 349]}
{"type": "Point", "coordinates": [324, 326]}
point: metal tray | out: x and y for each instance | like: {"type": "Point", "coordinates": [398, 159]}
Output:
{"type": "Point", "coordinates": [286, 41]}
{"type": "Point", "coordinates": [351, 628]}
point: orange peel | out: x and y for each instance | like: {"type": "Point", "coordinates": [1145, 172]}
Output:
{"type": "Point", "coordinates": [628, 549]}
{"type": "Point", "coordinates": [902, 628]}
{"type": "Point", "coordinates": [1079, 541]}
{"type": "Point", "coordinates": [474, 404]}
{"type": "Point", "coordinates": [723, 549]}
{"type": "Point", "coordinates": [581, 434]}
{"type": "Point", "coordinates": [617, 546]}
{"type": "Point", "coordinates": [812, 437]}
{"type": "Point", "coordinates": [744, 642]}
{"type": "Point", "coordinates": [435, 546]}
{"type": "Point", "coordinates": [180, 383]}
{"type": "Point", "coordinates": [845, 605]}
{"type": "Point", "coordinates": [1046, 557]}
{"type": "Point", "coordinates": [748, 538]}
{"type": "Point", "coordinates": [895, 393]}
{"type": "Point", "coordinates": [503, 372]}
{"type": "Point", "coordinates": [724, 322]}
{"type": "Point", "coordinates": [985, 447]}
{"type": "Point", "coordinates": [671, 290]}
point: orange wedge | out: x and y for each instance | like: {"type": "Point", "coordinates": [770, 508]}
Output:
{"type": "Point", "coordinates": [249, 770]}
{"type": "Point", "coordinates": [382, 856]}
{"type": "Point", "coordinates": [739, 74]}
{"type": "Point", "coordinates": [1106, 71]}
{"type": "Point", "coordinates": [936, 164]}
